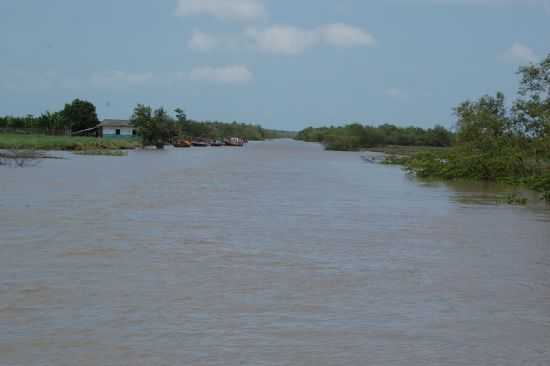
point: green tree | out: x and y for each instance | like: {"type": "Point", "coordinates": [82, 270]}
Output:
{"type": "Point", "coordinates": [438, 136]}
{"type": "Point", "coordinates": [181, 121]}
{"type": "Point", "coordinates": [154, 127]}
{"type": "Point", "coordinates": [483, 121]}
{"type": "Point", "coordinates": [532, 110]}
{"type": "Point", "coordinates": [80, 115]}
{"type": "Point", "coordinates": [52, 121]}
{"type": "Point", "coordinates": [181, 116]}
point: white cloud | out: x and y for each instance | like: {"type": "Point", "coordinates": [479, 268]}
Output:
{"type": "Point", "coordinates": [202, 41]}
{"type": "Point", "coordinates": [283, 39]}
{"type": "Point", "coordinates": [520, 54]}
{"type": "Point", "coordinates": [286, 39]}
{"type": "Point", "coordinates": [346, 35]}
{"type": "Point", "coordinates": [243, 10]}
{"type": "Point", "coordinates": [231, 74]}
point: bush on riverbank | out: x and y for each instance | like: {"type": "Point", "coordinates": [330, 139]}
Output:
{"type": "Point", "coordinates": [495, 144]}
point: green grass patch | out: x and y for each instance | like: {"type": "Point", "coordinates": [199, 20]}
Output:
{"type": "Point", "coordinates": [68, 143]}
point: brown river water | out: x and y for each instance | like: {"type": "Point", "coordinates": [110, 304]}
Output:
{"type": "Point", "coordinates": [278, 253]}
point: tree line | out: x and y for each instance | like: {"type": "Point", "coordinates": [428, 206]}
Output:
{"type": "Point", "coordinates": [153, 125]}
{"type": "Point", "coordinates": [356, 136]}
{"type": "Point", "coordinates": [75, 116]}
{"type": "Point", "coordinates": [158, 127]}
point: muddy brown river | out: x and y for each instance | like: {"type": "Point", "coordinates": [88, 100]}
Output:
{"type": "Point", "coordinates": [278, 253]}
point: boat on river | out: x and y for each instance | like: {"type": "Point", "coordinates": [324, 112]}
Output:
{"type": "Point", "coordinates": [234, 141]}
{"type": "Point", "coordinates": [200, 143]}
{"type": "Point", "coordinates": [217, 143]}
{"type": "Point", "coordinates": [183, 143]}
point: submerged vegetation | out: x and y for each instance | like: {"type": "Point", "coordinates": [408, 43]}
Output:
{"type": "Point", "coordinates": [20, 158]}
{"type": "Point", "coordinates": [102, 152]}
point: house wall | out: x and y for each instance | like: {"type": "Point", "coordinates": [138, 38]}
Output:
{"type": "Point", "coordinates": [124, 131]}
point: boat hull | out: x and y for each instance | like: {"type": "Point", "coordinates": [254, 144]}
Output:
{"type": "Point", "coordinates": [182, 144]}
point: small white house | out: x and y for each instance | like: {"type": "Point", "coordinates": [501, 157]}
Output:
{"type": "Point", "coordinates": [116, 128]}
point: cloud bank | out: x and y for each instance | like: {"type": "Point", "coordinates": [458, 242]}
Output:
{"type": "Point", "coordinates": [241, 10]}
{"type": "Point", "coordinates": [286, 39]}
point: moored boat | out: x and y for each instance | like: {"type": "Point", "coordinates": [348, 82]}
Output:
{"type": "Point", "coordinates": [182, 143]}
{"type": "Point", "coordinates": [217, 143]}
{"type": "Point", "coordinates": [200, 143]}
{"type": "Point", "coordinates": [234, 141]}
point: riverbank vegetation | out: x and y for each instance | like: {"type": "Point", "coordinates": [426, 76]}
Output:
{"type": "Point", "coordinates": [355, 136]}
{"type": "Point", "coordinates": [75, 116]}
{"type": "Point", "coordinates": [496, 143]}
{"type": "Point", "coordinates": [491, 142]}
{"type": "Point", "coordinates": [53, 130]}
{"type": "Point", "coordinates": [157, 127]}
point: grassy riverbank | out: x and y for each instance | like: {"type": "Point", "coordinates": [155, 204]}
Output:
{"type": "Point", "coordinates": [68, 143]}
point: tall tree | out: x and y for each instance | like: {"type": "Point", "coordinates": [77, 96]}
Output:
{"type": "Point", "coordinates": [80, 115]}
{"type": "Point", "coordinates": [154, 127]}
{"type": "Point", "coordinates": [532, 110]}
{"type": "Point", "coordinates": [181, 119]}
{"type": "Point", "coordinates": [483, 121]}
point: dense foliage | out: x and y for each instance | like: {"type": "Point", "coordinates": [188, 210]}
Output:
{"type": "Point", "coordinates": [48, 122]}
{"type": "Point", "coordinates": [75, 116]}
{"type": "Point", "coordinates": [356, 136]}
{"type": "Point", "coordinates": [80, 114]}
{"type": "Point", "coordinates": [159, 128]}
{"type": "Point", "coordinates": [220, 130]}
{"type": "Point", "coordinates": [493, 143]}
{"type": "Point", "coordinates": [154, 127]}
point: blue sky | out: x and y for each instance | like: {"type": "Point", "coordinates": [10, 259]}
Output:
{"type": "Point", "coordinates": [281, 63]}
